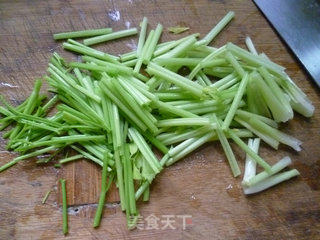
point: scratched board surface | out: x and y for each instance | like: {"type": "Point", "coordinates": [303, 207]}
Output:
{"type": "Point", "coordinates": [201, 185]}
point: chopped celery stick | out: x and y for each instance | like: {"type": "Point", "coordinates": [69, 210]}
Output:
{"type": "Point", "coordinates": [184, 122]}
{"type": "Point", "coordinates": [145, 150]}
{"type": "Point", "coordinates": [122, 106]}
{"type": "Point", "coordinates": [128, 56]}
{"type": "Point", "coordinates": [174, 78]}
{"type": "Point", "coordinates": [250, 165]}
{"type": "Point", "coordinates": [283, 163]}
{"type": "Point", "coordinates": [180, 49]}
{"type": "Point", "coordinates": [266, 138]}
{"type": "Point", "coordinates": [208, 58]}
{"type": "Point", "coordinates": [163, 49]}
{"type": "Point", "coordinates": [178, 29]}
{"type": "Point", "coordinates": [266, 120]}
{"type": "Point", "coordinates": [108, 67]}
{"type": "Point", "coordinates": [144, 52]}
{"type": "Point", "coordinates": [70, 159]}
{"type": "Point", "coordinates": [89, 51]}
{"type": "Point", "coordinates": [64, 207]}
{"type": "Point", "coordinates": [279, 112]}
{"type": "Point", "coordinates": [227, 149]}
{"type": "Point", "coordinates": [153, 44]}
{"type": "Point", "coordinates": [164, 61]}
{"type": "Point", "coordinates": [271, 181]}
{"type": "Point", "coordinates": [276, 90]}
{"type": "Point", "coordinates": [28, 155]}
{"type": "Point", "coordinates": [177, 149]}
{"type": "Point", "coordinates": [83, 33]}
{"type": "Point", "coordinates": [217, 29]}
{"type": "Point", "coordinates": [131, 63]}
{"type": "Point", "coordinates": [255, 60]}
{"type": "Point", "coordinates": [104, 188]}
{"type": "Point", "coordinates": [142, 36]}
{"type": "Point", "coordinates": [110, 36]}
{"type": "Point", "coordinates": [250, 46]}
{"type": "Point", "coordinates": [276, 134]}
{"type": "Point", "coordinates": [236, 102]}
{"type": "Point", "coordinates": [233, 61]}
{"type": "Point", "coordinates": [250, 152]}
{"type": "Point", "coordinates": [200, 141]}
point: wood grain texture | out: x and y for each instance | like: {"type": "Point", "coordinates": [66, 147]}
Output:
{"type": "Point", "coordinates": [201, 185]}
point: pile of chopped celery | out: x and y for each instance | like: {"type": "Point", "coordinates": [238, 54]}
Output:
{"type": "Point", "coordinates": [173, 96]}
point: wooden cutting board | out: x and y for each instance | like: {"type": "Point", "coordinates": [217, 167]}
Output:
{"type": "Point", "coordinates": [201, 185]}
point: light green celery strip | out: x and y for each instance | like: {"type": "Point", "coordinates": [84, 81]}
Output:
{"type": "Point", "coordinates": [208, 58]}
{"type": "Point", "coordinates": [236, 102]}
{"type": "Point", "coordinates": [251, 165]}
{"type": "Point", "coordinates": [199, 121]}
{"type": "Point", "coordinates": [142, 36]}
{"type": "Point", "coordinates": [177, 149]}
{"type": "Point", "coordinates": [271, 181]}
{"type": "Point", "coordinates": [255, 60]}
{"type": "Point", "coordinates": [200, 141]}
{"type": "Point", "coordinates": [224, 80]}
{"type": "Point", "coordinates": [283, 163]}
{"type": "Point", "coordinates": [104, 189]}
{"type": "Point", "coordinates": [88, 156]}
{"type": "Point", "coordinates": [64, 207]}
{"type": "Point", "coordinates": [175, 138]}
{"type": "Point", "coordinates": [215, 63]}
{"type": "Point", "coordinates": [135, 93]}
{"type": "Point", "coordinates": [130, 181]}
{"type": "Point", "coordinates": [250, 152]}
{"type": "Point", "coordinates": [164, 61]}
{"type": "Point", "coordinates": [255, 101]}
{"type": "Point", "coordinates": [83, 49]}
{"type": "Point", "coordinates": [116, 131]}
{"type": "Point", "coordinates": [119, 170]}
{"type": "Point", "coordinates": [69, 159]}
{"type": "Point", "coordinates": [131, 63]}
{"type": "Point", "coordinates": [227, 149]}
{"type": "Point", "coordinates": [123, 107]}
{"type": "Point", "coordinates": [163, 49]}
{"type": "Point", "coordinates": [145, 150]}
{"type": "Point", "coordinates": [276, 134]}
{"type": "Point", "coordinates": [279, 112]}
{"type": "Point", "coordinates": [153, 44]}
{"type": "Point", "coordinates": [146, 184]}
{"type": "Point", "coordinates": [174, 78]}
{"type": "Point", "coordinates": [250, 46]}
{"type": "Point", "coordinates": [180, 49]}
{"type": "Point", "coordinates": [139, 111]}
{"type": "Point", "coordinates": [173, 109]}
{"type": "Point", "coordinates": [66, 140]}
{"type": "Point", "coordinates": [233, 61]}
{"type": "Point", "coordinates": [83, 33]}
{"type": "Point", "coordinates": [274, 87]}
{"type": "Point", "coordinates": [25, 156]}
{"type": "Point", "coordinates": [144, 52]}
{"type": "Point", "coordinates": [217, 29]}
{"type": "Point", "coordinates": [266, 120]}
{"type": "Point", "coordinates": [108, 67]}
{"type": "Point", "coordinates": [110, 36]}
{"type": "Point", "coordinates": [128, 56]}
{"type": "Point", "coordinates": [266, 138]}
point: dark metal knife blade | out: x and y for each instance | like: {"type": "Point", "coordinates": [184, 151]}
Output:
{"type": "Point", "coordinates": [298, 23]}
